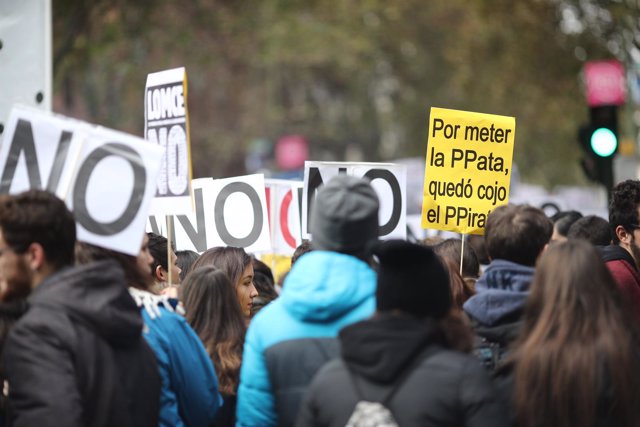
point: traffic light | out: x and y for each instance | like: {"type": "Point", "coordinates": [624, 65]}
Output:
{"type": "Point", "coordinates": [599, 139]}
{"type": "Point", "coordinates": [604, 130]}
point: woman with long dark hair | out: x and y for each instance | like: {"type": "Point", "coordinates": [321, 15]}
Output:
{"type": "Point", "coordinates": [576, 361]}
{"type": "Point", "coordinates": [238, 267]}
{"type": "Point", "coordinates": [212, 311]}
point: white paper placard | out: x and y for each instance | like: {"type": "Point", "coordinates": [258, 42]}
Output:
{"type": "Point", "coordinates": [388, 179]}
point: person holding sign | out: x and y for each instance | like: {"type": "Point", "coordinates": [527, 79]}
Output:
{"type": "Point", "coordinates": [159, 247]}
{"type": "Point", "coordinates": [77, 357]}
{"type": "Point", "coordinates": [189, 395]}
{"type": "Point", "coordinates": [515, 236]}
{"type": "Point", "coordinates": [327, 289]}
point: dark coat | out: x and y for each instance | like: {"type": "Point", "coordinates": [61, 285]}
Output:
{"type": "Point", "coordinates": [78, 358]}
{"type": "Point", "coordinates": [491, 344]}
{"type": "Point", "coordinates": [496, 310]}
{"type": "Point", "coordinates": [445, 388]}
{"type": "Point", "coordinates": [10, 312]}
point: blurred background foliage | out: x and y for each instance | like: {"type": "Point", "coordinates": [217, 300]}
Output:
{"type": "Point", "coordinates": [357, 78]}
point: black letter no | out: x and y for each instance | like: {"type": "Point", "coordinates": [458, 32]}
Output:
{"type": "Point", "coordinates": [397, 198]}
{"type": "Point", "coordinates": [238, 187]}
{"type": "Point", "coordinates": [81, 212]}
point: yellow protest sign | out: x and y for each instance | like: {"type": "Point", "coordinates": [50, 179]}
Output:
{"type": "Point", "coordinates": [468, 169]}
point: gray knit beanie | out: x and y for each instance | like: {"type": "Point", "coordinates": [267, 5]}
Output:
{"type": "Point", "coordinates": [344, 216]}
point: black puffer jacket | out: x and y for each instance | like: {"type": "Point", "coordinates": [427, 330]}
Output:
{"type": "Point", "coordinates": [492, 343]}
{"type": "Point", "coordinates": [446, 388]}
{"type": "Point", "coordinates": [78, 358]}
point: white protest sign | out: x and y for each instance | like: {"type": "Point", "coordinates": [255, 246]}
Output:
{"type": "Point", "coordinates": [389, 180]}
{"type": "Point", "coordinates": [107, 178]}
{"type": "Point", "coordinates": [36, 150]}
{"type": "Point", "coordinates": [112, 189]}
{"type": "Point", "coordinates": [283, 203]}
{"type": "Point", "coordinates": [189, 230]}
{"type": "Point", "coordinates": [167, 124]}
{"type": "Point", "coordinates": [229, 212]}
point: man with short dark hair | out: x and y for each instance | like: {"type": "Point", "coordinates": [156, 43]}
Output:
{"type": "Point", "coordinates": [622, 257]}
{"type": "Point", "coordinates": [591, 228]}
{"type": "Point", "coordinates": [77, 357]}
{"type": "Point", "coordinates": [326, 289]}
{"type": "Point", "coordinates": [515, 235]}
{"type": "Point", "coordinates": [158, 247]}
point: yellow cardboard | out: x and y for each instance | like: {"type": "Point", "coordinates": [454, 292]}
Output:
{"type": "Point", "coordinates": [468, 169]}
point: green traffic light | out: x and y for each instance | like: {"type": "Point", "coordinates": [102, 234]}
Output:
{"type": "Point", "coordinates": [604, 142]}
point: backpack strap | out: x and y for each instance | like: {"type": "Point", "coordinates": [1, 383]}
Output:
{"type": "Point", "coordinates": [423, 355]}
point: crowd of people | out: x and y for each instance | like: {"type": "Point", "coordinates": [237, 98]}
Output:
{"type": "Point", "coordinates": [535, 324]}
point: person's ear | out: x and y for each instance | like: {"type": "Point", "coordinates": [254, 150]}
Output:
{"type": "Point", "coordinates": [160, 274]}
{"type": "Point", "coordinates": [623, 235]}
{"type": "Point", "coordinates": [36, 258]}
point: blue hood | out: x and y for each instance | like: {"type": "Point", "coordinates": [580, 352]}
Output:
{"type": "Point", "coordinates": [323, 286]}
{"type": "Point", "coordinates": [502, 292]}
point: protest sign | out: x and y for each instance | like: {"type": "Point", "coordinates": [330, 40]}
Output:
{"type": "Point", "coordinates": [36, 151]}
{"type": "Point", "coordinates": [107, 178]}
{"type": "Point", "coordinates": [468, 169]}
{"type": "Point", "coordinates": [112, 189]}
{"type": "Point", "coordinates": [389, 181]}
{"type": "Point", "coordinates": [229, 212]}
{"type": "Point", "coordinates": [167, 124]}
{"type": "Point", "coordinates": [284, 215]}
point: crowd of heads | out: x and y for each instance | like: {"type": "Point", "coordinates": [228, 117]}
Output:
{"type": "Point", "coordinates": [550, 286]}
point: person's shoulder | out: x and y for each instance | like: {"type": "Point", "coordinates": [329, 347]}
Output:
{"type": "Point", "coordinates": [168, 320]}
{"type": "Point", "coordinates": [454, 362]}
{"type": "Point", "coordinates": [333, 372]}
{"type": "Point", "coordinates": [42, 325]}
{"type": "Point", "coordinates": [269, 325]}
{"type": "Point", "coordinates": [332, 367]}
{"type": "Point", "coordinates": [44, 317]}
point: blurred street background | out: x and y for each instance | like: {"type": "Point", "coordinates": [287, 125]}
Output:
{"type": "Point", "coordinates": [350, 80]}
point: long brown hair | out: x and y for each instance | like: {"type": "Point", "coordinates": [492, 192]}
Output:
{"type": "Point", "coordinates": [576, 343]}
{"type": "Point", "coordinates": [213, 312]}
{"type": "Point", "coordinates": [232, 261]}
{"type": "Point", "coordinates": [461, 291]}
{"type": "Point", "coordinates": [455, 325]}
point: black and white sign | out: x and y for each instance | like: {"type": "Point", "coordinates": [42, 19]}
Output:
{"type": "Point", "coordinates": [389, 180]}
{"type": "Point", "coordinates": [166, 124]}
{"type": "Point", "coordinates": [229, 212]}
{"type": "Point", "coordinates": [107, 178]}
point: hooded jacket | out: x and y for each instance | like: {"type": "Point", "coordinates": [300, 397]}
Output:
{"type": "Point", "coordinates": [292, 337]}
{"type": "Point", "coordinates": [496, 309]}
{"type": "Point", "coordinates": [189, 395]}
{"type": "Point", "coordinates": [78, 358]}
{"type": "Point", "coordinates": [502, 292]}
{"type": "Point", "coordinates": [432, 386]}
{"type": "Point", "coordinates": [623, 268]}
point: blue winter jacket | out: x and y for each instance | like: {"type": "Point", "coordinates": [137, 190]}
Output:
{"type": "Point", "coordinates": [324, 292]}
{"type": "Point", "coordinates": [189, 396]}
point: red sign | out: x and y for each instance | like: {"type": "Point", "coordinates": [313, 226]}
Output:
{"type": "Point", "coordinates": [605, 83]}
